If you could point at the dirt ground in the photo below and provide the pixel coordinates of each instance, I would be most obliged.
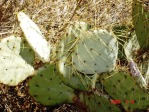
(53, 17)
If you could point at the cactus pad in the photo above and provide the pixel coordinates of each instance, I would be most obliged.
(95, 52)
(14, 69)
(97, 103)
(122, 86)
(34, 37)
(140, 17)
(48, 89)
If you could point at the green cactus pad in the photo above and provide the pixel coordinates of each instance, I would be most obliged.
(96, 52)
(48, 89)
(140, 17)
(13, 69)
(122, 86)
(97, 103)
(27, 53)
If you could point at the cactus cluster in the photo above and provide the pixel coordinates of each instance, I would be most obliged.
(48, 89)
(83, 54)
(86, 72)
(118, 85)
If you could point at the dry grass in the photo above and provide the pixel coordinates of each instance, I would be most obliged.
(53, 17)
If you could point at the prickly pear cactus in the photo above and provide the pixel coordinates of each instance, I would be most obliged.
(95, 52)
(48, 89)
(122, 86)
(27, 53)
(88, 52)
(14, 69)
(140, 17)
